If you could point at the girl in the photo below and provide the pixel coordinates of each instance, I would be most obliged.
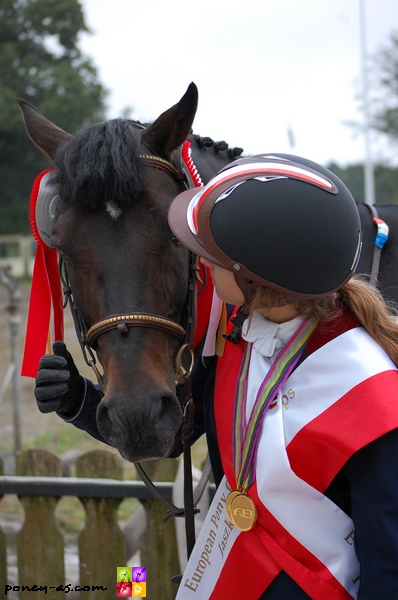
(300, 406)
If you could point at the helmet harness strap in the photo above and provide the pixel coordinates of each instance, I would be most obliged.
(248, 287)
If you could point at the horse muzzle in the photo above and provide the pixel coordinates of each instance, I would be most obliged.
(147, 430)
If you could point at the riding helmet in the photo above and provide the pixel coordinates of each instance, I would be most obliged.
(276, 220)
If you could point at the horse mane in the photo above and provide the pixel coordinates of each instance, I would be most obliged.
(207, 142)
(100, 164)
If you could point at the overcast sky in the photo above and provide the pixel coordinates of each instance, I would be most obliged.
(262, 67)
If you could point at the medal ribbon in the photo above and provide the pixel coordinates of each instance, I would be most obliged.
(247, 434)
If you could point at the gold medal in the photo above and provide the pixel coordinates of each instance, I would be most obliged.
(228, 502)
(243, 511)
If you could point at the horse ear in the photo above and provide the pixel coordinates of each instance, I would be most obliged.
(44, 134)
(172, 128)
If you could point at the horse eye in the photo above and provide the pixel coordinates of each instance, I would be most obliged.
(63, 256)
(176, 242)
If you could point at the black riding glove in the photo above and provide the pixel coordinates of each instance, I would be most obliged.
(58, 383)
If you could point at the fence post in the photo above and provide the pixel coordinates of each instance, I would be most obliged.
(158, 545)
(40, 543)
(102, 545)
(3, 549)
(14, 322)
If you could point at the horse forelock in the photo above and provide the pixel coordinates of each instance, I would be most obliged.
(100, 165)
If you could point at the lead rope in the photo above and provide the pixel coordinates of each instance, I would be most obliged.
(185, 393)
(188, 407)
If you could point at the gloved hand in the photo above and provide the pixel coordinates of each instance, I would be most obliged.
(58, 383)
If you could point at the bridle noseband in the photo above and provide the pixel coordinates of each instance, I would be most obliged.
(122, 322)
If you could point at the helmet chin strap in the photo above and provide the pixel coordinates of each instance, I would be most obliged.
(248, 288)
(237, 321)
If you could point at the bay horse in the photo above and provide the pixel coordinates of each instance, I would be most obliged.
(116, 182)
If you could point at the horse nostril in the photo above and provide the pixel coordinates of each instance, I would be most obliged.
(169, 415)
(105, 424)
(139, 438)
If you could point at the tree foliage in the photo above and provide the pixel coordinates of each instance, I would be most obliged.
(40, 61)
(386, 181)
(385, 89)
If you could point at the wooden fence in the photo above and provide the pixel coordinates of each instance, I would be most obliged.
(102, 545)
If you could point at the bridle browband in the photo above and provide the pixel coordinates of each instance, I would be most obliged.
(163, 165)
(122, 322)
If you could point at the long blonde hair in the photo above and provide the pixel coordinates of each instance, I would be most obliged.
(365, 302)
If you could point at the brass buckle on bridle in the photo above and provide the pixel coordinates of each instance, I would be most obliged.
(181, 372)
(89, 358)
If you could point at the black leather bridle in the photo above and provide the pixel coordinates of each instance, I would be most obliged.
(183, 366)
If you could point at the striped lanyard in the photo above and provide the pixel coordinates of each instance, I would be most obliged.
(247, 433)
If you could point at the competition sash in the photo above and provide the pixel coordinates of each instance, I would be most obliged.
(298, 529)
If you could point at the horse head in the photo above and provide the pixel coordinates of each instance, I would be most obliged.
(110, 228)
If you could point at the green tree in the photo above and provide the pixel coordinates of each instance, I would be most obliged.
(386, 181)
(384, 87)
(40, 61)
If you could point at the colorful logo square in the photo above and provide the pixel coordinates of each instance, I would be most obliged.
(131, 582)
(124, 589)
(139, 574)
(124, 574)
(139, 589)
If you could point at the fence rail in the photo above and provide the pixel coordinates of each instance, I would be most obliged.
(102, 544)
(80, 486)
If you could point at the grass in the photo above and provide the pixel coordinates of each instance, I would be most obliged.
(71, 516)
(71, 437)
(59, 442)
(69, 513)
(11, 508)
